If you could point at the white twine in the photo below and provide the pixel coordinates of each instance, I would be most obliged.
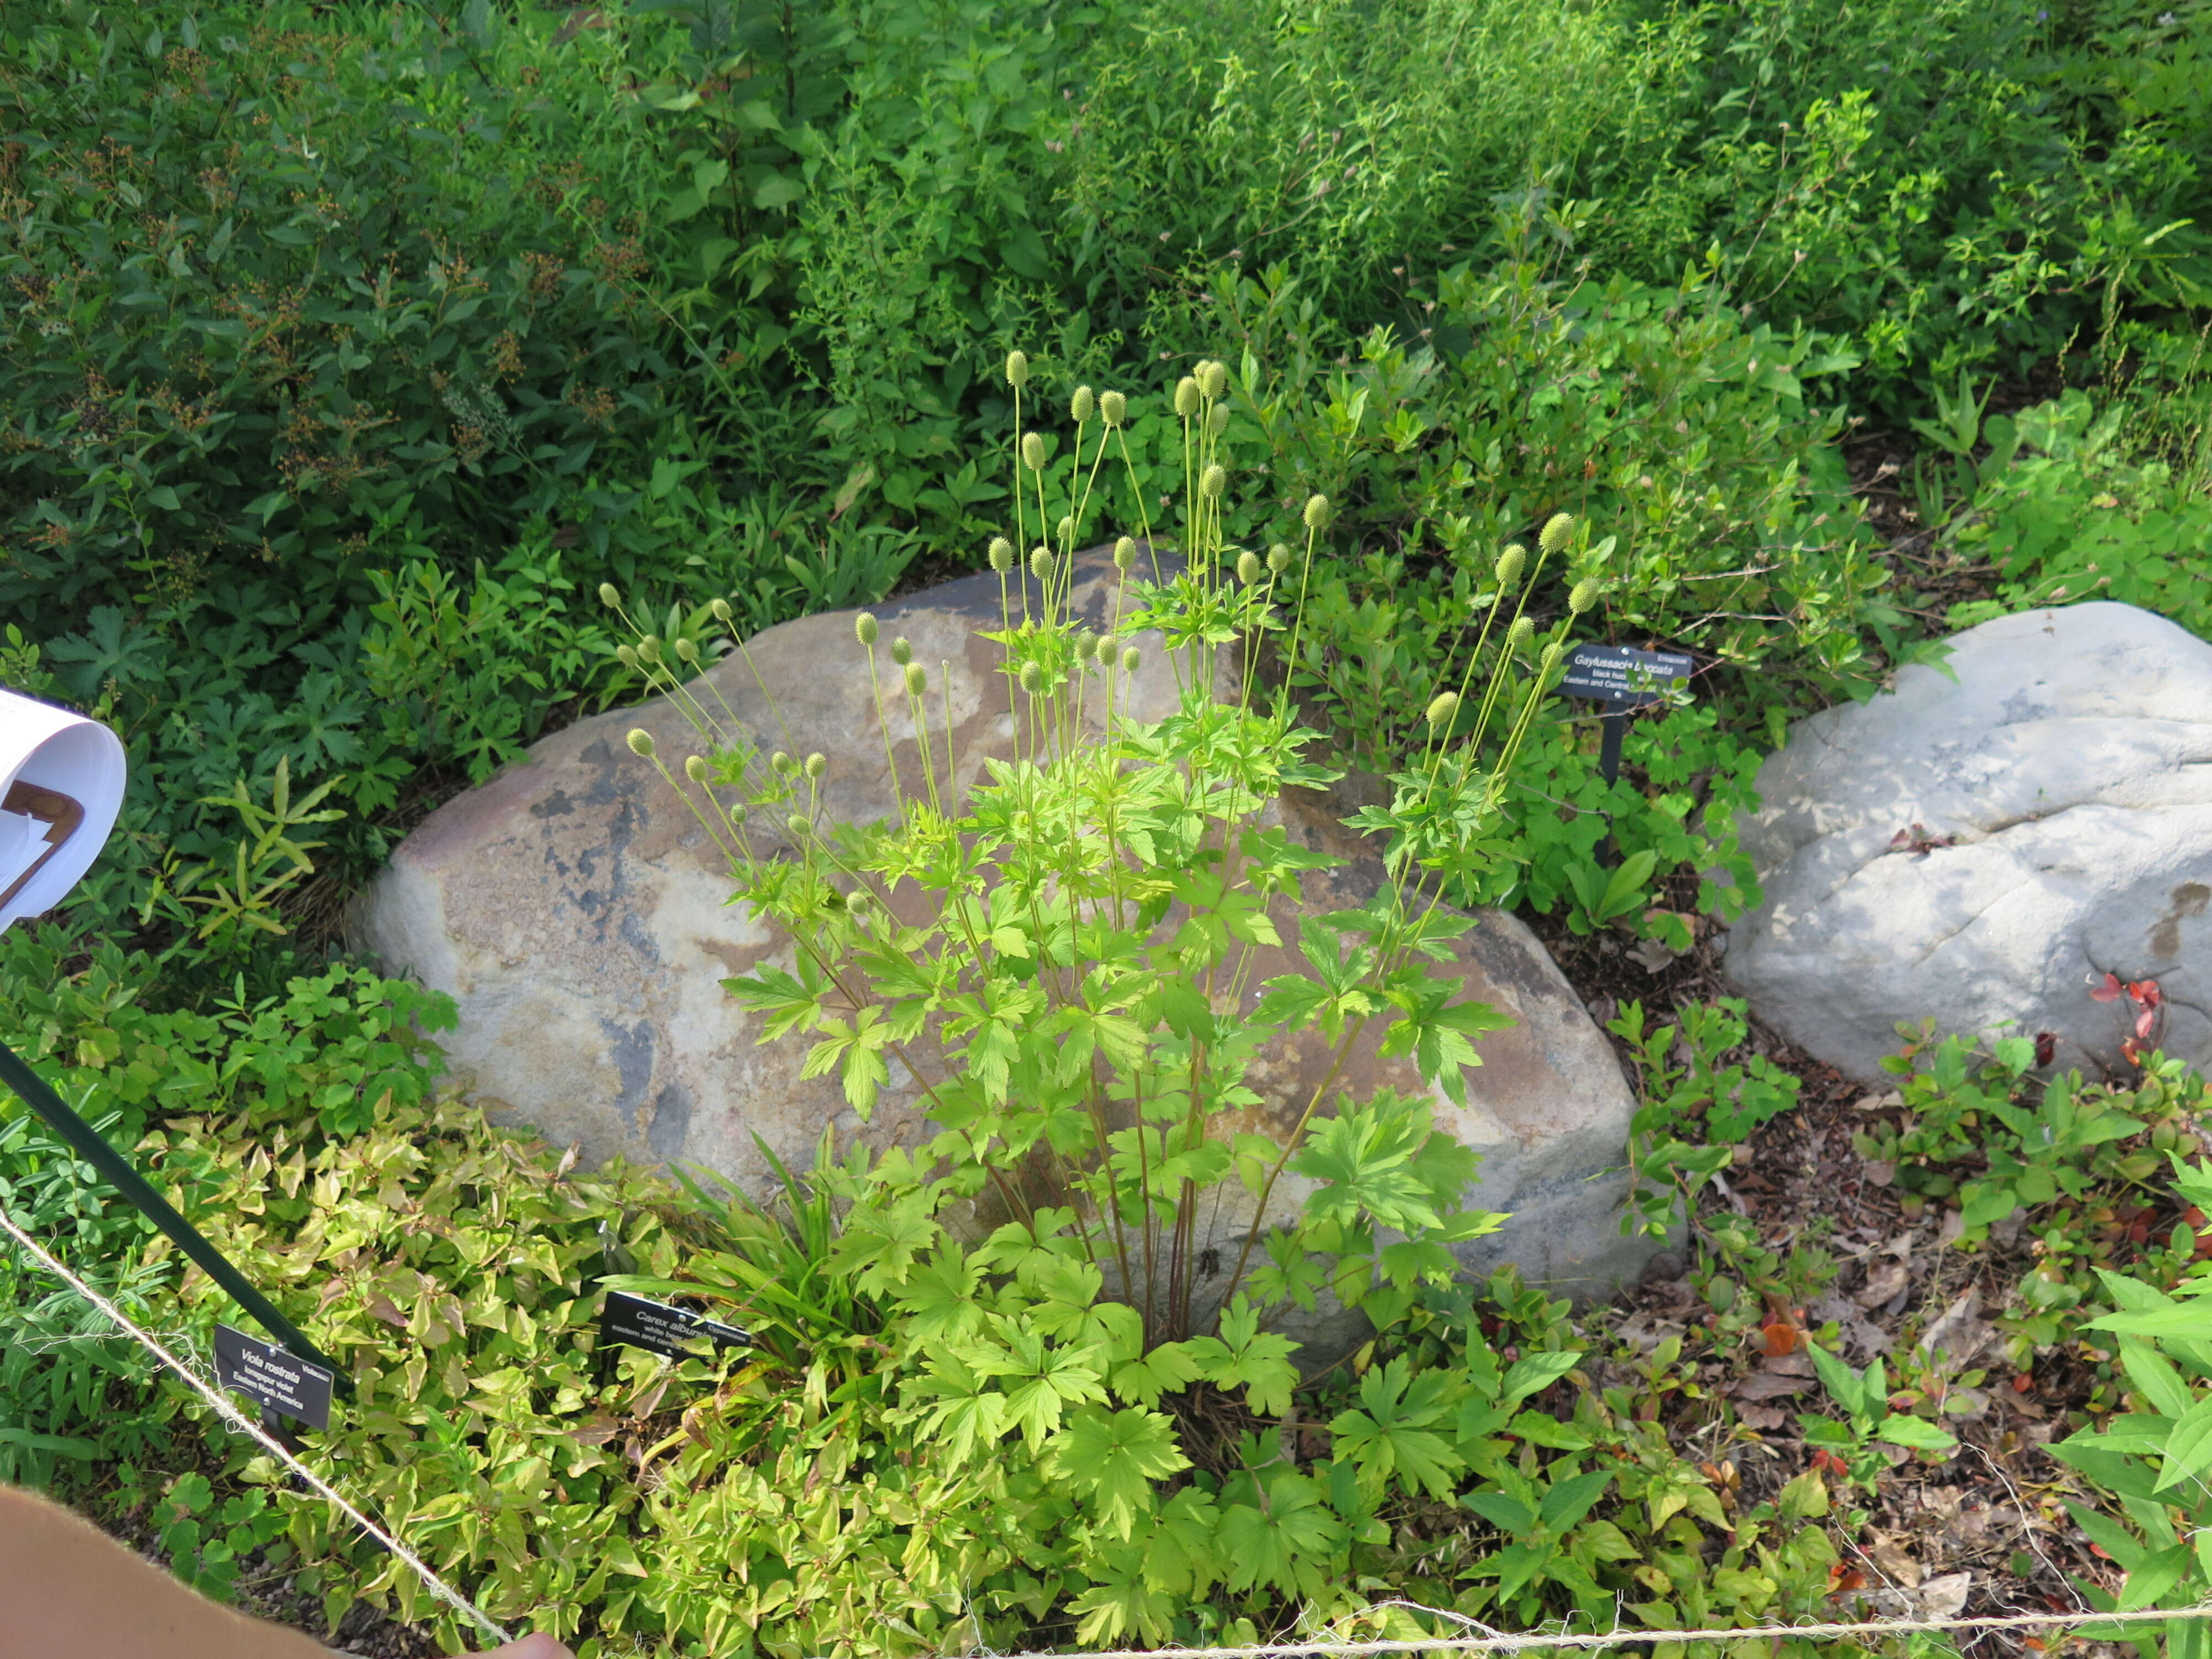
(238, 1419)
(1497, 1643)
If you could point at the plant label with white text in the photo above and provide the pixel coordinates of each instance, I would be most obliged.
(272, 1378)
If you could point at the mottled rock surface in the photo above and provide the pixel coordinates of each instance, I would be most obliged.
(576, 911)
(2062, 788)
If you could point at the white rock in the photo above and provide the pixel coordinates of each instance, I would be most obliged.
(2069, 764)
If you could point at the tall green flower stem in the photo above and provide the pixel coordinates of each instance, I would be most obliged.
(1082, 1004)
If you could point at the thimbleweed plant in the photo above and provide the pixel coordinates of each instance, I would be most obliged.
(1090, 967)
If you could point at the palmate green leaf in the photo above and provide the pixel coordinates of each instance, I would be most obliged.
(1287, 1546)
(969, 1415)
(1364, 1159)
(1042, 1382)
(879, 1242)
(1169, 1368)
(1113, 1458)
(1244, 1357)
(855, 1053)
(1391, 1431)
(1183, 1556)
(1119, 1602)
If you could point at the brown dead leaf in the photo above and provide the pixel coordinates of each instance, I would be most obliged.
(1884, 1279)
(1896, 1561)
(1959, 1333)
(1764, 1384)
(1765, 1419)
(1944, 1597)
(596, 1432)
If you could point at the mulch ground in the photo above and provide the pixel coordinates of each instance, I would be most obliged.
(1984, 1532)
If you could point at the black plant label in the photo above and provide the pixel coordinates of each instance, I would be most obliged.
(664, 1330)
(272, 1378)
(1622, 675)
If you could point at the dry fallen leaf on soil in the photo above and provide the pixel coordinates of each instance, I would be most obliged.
(1883, 1281)
(1944, 1597)
(1896, 1561)
(1959, 1333)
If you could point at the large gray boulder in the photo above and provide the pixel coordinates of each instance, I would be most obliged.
(2061, 781)
(576, 912)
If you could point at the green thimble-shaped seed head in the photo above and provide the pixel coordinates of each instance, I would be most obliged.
(695, 769)
(901, 652)
(817, 764)
(1557, 533)
(1278, 559)
(1441, 708)
(1213, 481)
(1248, 567)
(1582, 595)
(686, 650)
(1518, 636)
(1066, 528)
(1212, 378)
(1033, 451)
(721, 610)
(649, 649)
(1553, 652)
(1084, 644)
(1217, 420)
(1124, 553)
(1106, 650)
(627, 656)
(917, 682)
(1083, 405)
(1002, 554)
(1316, 512)
(1113, 407)
(1186, 397)
(1032, 678)
(857, 899)
(1017, 368)
(608, 597)
(641, 742)
(800, 826)
(1130, 657)
(780, 762)
(865, 628)
(1510, 563)
(738, 814)
(1040, 562)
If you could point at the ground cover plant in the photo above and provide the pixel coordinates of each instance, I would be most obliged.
(351, 349)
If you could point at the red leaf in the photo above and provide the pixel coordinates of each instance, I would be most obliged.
(2145, 1020)
(2145, 994)
(2132, 1052)
(2109, 991)
(1901, 839)
(2023, 1382)
(2046, 1047)
(1781, 1338)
